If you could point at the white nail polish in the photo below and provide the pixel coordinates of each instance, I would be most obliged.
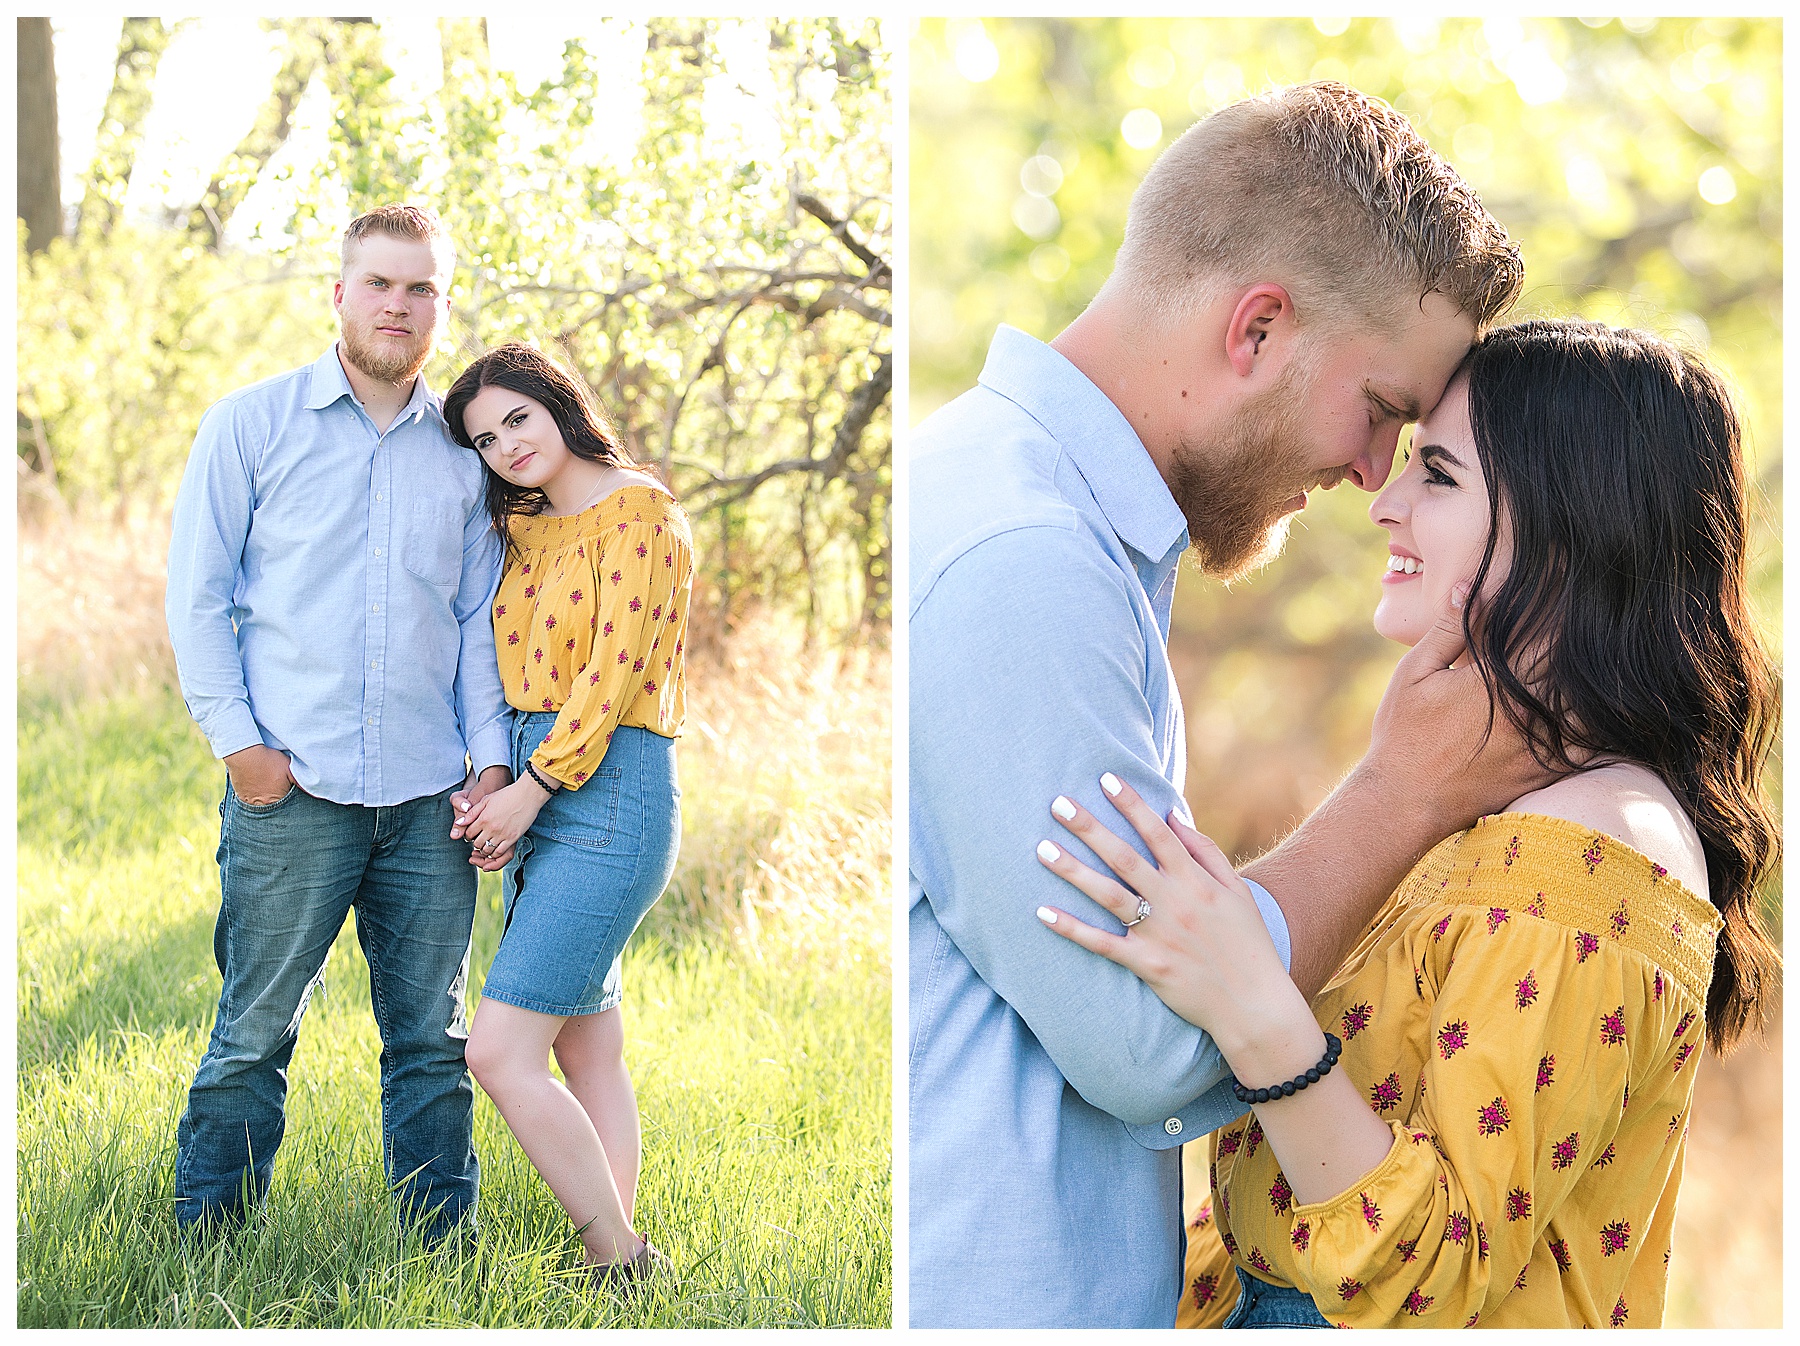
(1062, 808)
(1048, 853)
(1047, 916)
(1110, 783)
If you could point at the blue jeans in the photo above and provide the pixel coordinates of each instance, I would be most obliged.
(289, 873)
(1260, 1304)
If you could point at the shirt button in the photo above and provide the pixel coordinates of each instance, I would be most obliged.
(374, 607)
(378, 551)
(374, 663)
(1173, 1126)
(378, 495)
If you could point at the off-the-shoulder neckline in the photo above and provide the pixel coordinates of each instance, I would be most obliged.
(610, 496)
(1583, 829)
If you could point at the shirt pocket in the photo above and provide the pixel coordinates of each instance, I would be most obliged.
(432, 544)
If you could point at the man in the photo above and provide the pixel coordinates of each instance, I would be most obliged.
(1300, 275)
(330, 571)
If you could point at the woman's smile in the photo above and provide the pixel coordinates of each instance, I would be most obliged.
(1401, 567)
(1436, 513)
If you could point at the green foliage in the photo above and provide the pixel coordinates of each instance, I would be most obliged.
(114, 372)
(1638, 162)
(764, 1088)
(726, 295)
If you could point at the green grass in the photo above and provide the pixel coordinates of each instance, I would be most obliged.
(762, 1070)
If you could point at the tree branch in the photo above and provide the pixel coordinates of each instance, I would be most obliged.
(840, 230)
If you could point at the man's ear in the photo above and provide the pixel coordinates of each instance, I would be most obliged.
(1263, 310)
(337, 294)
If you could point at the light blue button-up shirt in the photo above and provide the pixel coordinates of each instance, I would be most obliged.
(329, 588)
(1049, 1088)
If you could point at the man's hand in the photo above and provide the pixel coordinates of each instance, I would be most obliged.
(1427, 774)
(476, 789)
(1427, 753)
(495, 825)
(260, 775)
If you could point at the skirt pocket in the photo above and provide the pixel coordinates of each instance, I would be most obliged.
(587, 817)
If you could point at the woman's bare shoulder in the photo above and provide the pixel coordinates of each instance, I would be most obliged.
(1632, 803)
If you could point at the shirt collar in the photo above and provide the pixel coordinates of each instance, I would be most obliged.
(1096, 436)
(330, 382)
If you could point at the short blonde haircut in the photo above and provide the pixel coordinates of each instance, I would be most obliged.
(417, 224)
(1321, 188)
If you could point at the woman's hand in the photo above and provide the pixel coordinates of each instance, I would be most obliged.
(1203, 947)
(497, 822)
(476, 789)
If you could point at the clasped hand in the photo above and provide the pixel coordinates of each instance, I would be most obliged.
(493, 823)
(1203, 947)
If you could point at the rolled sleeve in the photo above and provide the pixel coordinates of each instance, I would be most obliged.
(987, 757)
(206, 548)
(1275, 921)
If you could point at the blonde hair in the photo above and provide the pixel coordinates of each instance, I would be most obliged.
(1326, 190)
(417, 224)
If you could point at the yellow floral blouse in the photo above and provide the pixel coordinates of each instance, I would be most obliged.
(589, 622)
(1527, 1011)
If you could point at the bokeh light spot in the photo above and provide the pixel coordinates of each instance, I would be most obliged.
(1036, 216)
(977, 58)
(1049, 263)
(1141, 128)
(1151, 67)
(1041, 175)
(1717, 186)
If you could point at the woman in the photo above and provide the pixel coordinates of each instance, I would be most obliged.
(1501, 1140)
(589, 620)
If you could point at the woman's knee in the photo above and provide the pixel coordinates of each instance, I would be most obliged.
(591, 1046)
(491, 1061)
(508, 1047)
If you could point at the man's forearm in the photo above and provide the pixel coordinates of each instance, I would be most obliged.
(1332, 873)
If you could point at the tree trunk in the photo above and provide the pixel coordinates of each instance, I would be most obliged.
(141, 45)
(40, 165)
(233, 179)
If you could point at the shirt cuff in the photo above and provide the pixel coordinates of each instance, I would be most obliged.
(1275, 921)
(492, 745)
(231, 728)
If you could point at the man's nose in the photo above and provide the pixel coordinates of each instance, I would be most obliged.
(1371, 467)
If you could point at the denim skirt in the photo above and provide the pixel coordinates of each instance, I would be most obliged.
(1260, 1304)
(593, 862)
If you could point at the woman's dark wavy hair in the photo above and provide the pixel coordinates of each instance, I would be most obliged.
(584, 427)
(1621, 630)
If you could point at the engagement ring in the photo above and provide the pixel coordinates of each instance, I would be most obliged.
(1143, 911)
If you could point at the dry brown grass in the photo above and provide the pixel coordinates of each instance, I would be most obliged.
(91, 605)
(787, 833)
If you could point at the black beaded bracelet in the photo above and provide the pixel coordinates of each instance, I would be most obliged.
(1333, 1049)
(543, 784)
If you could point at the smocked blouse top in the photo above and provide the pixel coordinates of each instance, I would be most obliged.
(1526, 1012)
(590, 620)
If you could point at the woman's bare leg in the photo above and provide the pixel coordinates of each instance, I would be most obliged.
(591, 1051)
(509, 1054)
